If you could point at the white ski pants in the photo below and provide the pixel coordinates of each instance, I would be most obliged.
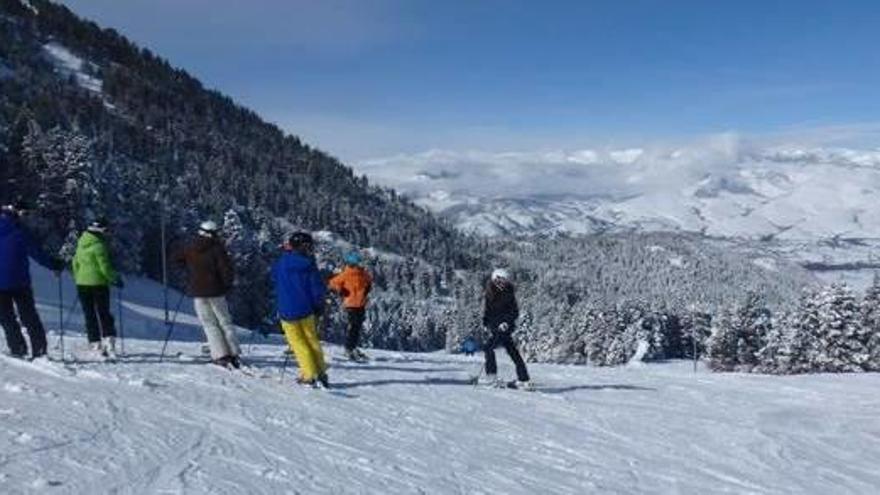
(213, 312)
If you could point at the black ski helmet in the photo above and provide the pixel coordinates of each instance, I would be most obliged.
(302, 242)
(17, 207)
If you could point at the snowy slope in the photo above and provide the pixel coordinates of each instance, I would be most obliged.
(68, 64)
(409, 423)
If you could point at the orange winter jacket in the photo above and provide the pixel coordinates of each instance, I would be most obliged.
(353, 284)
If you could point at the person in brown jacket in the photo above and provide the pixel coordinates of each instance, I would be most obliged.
(210, 278)
(353, 284)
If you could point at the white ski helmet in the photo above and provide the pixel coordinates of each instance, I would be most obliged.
(98, 226)
(499, 274)
(208, 228)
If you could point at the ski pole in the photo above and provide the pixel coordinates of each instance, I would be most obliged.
(121, 321)
(251, 342)
(286, 353)
(61, 316)
(284, 367)
(171, 327)
(479, 374)
(71, 310)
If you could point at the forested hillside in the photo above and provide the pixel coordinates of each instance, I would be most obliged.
(91, 125)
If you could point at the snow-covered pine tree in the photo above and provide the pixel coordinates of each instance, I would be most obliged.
(755, 323)
(625, 334)
(722, 347)
(802, 336)
(739, 335)
(603, 325)
(775, 356)
(842, 344)
(69, 187)
(695, 324)
(870, 321)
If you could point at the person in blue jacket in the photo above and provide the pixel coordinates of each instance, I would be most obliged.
(300, 291)
(16, 246)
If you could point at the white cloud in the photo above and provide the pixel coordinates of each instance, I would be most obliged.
(579, 172)
(626, 157)
(611, 171)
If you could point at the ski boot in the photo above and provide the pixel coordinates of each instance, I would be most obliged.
(96, 350)
(324, 380)
(490, 381)
(40, 359)
(235, 362)
(224, 362)
(306, 383)
(110, 348)
(527, 385)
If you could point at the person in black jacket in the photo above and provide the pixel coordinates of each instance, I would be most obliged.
(210, 278)
(499, 316)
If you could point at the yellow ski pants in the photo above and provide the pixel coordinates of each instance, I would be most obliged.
(302, 336)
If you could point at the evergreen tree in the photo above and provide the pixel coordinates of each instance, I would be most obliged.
(841, 342)
(739, 336)
(722, 348)
(870, 321)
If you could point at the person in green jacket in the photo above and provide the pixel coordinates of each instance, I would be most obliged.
(94, 274)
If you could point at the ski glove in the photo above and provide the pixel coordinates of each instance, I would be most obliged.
(503, 327)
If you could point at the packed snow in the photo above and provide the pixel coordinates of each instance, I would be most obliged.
(411, 423)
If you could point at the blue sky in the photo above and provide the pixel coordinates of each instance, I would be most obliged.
(365, 79)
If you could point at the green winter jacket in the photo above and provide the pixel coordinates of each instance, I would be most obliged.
(91, 263)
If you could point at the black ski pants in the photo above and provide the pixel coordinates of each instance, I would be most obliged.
(95, 302)
(356, 317)
(23, 300)
(504, 339)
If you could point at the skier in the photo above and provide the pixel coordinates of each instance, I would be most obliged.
(94, 274)
(499, 316)
(353, 284)
(16, 246)
(300, 292)
(210, 278)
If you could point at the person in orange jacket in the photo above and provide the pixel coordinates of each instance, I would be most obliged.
(353, 284)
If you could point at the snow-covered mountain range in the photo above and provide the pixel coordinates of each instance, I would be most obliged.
(816, 204)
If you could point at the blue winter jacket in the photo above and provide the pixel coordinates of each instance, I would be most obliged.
(298, 286)
(16, 245)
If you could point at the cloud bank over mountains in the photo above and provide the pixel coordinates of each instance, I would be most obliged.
(595, 171)
(722, 185)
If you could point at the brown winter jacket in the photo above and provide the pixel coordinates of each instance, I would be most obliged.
(500, 306)
(353, 284)
(209, 268)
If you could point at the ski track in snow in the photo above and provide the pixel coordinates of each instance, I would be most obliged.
(410, 423)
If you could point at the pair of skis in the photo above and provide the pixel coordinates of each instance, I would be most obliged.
(500, 384)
